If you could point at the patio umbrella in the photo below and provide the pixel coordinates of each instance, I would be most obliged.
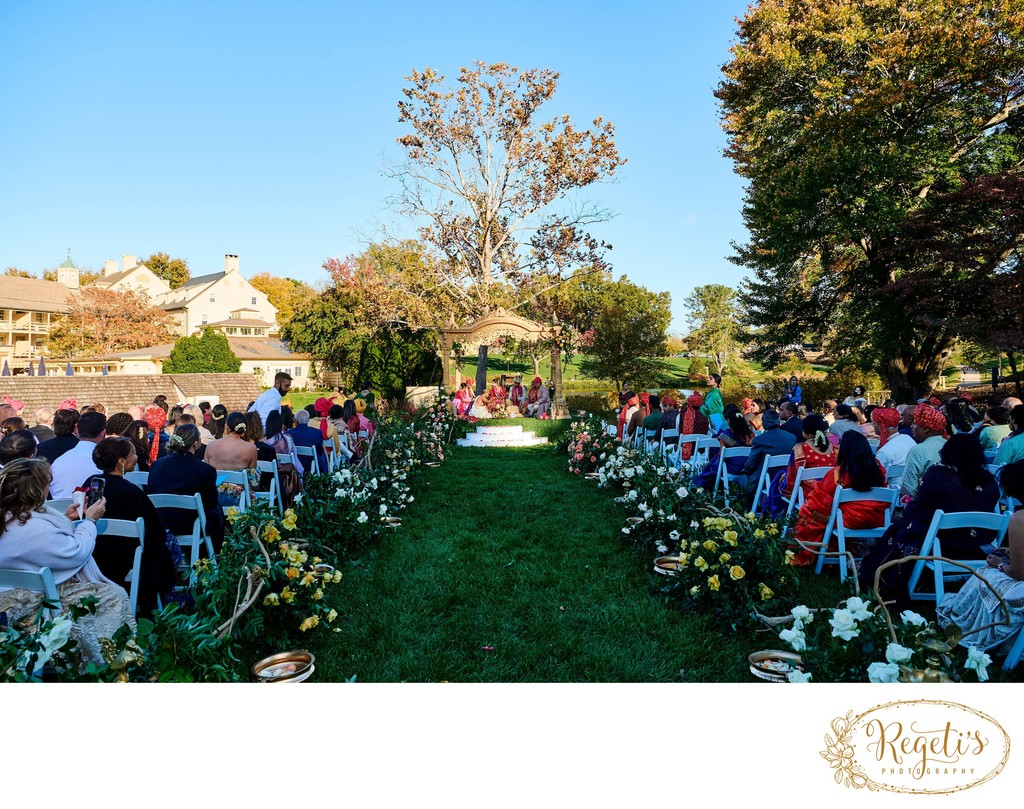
(42, 366)
(31, 371)
(7, 369)
(68, 371)
(105, 373)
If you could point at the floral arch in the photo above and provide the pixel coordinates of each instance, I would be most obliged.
(501, 323)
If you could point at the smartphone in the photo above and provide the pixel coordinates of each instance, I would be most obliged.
(95, 493)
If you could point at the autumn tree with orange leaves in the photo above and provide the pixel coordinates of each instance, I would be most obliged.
(103, 321)
(495, 184)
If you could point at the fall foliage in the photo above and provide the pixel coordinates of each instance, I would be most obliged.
(103, 322)
(174, 271)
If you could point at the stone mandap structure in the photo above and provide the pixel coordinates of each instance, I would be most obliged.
(500, 323)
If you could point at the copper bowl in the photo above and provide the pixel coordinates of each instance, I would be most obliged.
(634, 520)
(773, 665)
(295, 666)
(666, 565)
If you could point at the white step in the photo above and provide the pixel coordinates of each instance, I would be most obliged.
(503, 436)
(500, 429)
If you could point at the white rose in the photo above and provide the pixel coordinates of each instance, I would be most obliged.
(978, 660)
(674, 536)
(694, 524)
(362, 517)
(912, 618)
(633, 495)
(883, 673)
(895, 653)
(802, 614)
(858, 608)
(682, 492)
(663, 549)
(799, 677)
(625, 530)
(383, 509)
(795, 638)
(654, 492)
(844, 625)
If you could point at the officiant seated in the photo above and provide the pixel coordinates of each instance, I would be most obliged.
(538, 400)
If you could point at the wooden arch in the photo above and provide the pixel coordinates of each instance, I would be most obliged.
(501, 323)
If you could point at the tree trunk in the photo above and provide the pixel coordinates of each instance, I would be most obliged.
(481, 369)
(1013, 370)
(912, 377)
(536, 366)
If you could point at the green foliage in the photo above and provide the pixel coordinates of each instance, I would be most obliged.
(713, 317)
(881, 144)
(209, 354)
(327, 327)
(174, 271)
(631, 328)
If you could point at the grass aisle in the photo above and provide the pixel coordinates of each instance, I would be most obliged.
(504, 549)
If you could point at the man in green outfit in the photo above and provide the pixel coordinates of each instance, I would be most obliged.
(653, 421)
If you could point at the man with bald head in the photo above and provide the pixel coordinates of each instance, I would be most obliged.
(1011, 402)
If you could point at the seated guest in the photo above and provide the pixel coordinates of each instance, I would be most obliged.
(638, 415)
(34, 536)
(960, 481)
(19, 444)
(653, 421)
(64, 423)
(930, 433)
(791, 423)
(205, 412)
(305, 436)
(845, 420)
(736, 434)
(282, 444)
(626, 413)
(322, 422)
(138, 434)
(865, 426)
(180, 472)
(155, 416)
(118, 423)
(828, 411)
(254, 433)
(669, 419)
(857, 469)
(72, 468)
(814, 452)
(858, 399)
(8, 426)
(463, 399)
(692, 422)
(1011, 449)
(773, 441)
(197, 419)
(958, 414)
(974, 608)
(234, 451)
(336, 417)
(996, 427)
(42, 429)
(126, 501)
(893, 446)
(218, 419)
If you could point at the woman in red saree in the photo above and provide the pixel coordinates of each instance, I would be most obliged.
(497, 395)
(815, 452)
(626, 411)
(463, 399)
(856, 468)
(692, 422)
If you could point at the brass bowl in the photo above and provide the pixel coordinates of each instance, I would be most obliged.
(773, 665)
(666, 565)
(634, 520)
(592, 476)
(323, 567)
(295, 666)
(431, 463)
(393, 522)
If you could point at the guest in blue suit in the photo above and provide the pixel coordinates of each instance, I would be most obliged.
(773, 441)
(305, 436)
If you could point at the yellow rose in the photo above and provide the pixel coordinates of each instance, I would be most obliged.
(287, 595)
(700, 564)
(232, 514)
(271, 600)
(336, 577)
(730, 538)
(694, 590)
(711, 545)
(271, 534)
(724, 558)
(759, 534)
(773, 529)
(713, 582)
(289, 522)
(736, 573)
(309, 623)
(332, 615)
(684, 560)
(318, 594)
(308, 578)
(790, 556)
(765, 591)
(295, 557)
(292, 573)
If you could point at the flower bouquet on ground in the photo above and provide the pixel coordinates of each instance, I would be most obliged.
(588, 445)
(858, 642)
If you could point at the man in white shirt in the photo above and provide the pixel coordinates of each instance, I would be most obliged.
(76, 466)
(895, 445)
(270, 400)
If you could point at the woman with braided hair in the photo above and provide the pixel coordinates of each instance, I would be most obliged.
(815, 452)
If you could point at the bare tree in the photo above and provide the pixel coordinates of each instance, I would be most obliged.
(496, 186)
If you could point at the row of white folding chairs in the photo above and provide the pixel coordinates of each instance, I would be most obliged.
(239, 477)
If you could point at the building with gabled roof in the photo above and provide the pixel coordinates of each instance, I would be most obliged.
(131, 276)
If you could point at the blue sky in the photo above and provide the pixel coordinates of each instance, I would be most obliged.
(260, 128)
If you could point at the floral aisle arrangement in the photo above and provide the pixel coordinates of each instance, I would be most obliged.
(858, 642)
(588, 444)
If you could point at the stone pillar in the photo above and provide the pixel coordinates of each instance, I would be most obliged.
(558, 408)
(446, 363)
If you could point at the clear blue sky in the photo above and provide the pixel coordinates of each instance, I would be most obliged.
(259, 128)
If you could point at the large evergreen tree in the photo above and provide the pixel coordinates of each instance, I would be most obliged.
(860, 127)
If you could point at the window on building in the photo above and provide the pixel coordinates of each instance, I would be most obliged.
(246, 331)
(298, 370)
(204, 320)
(254, 301)
(213, 298)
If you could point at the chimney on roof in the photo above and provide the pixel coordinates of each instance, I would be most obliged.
(128, 263)
(109, 267)
(230, 263)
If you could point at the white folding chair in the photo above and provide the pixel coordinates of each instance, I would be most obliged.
(894, 476)
(199, 537)
(61, 505)
(932, 546)
(333, 457)
(38, 581)
(878, 494)
(771, 463)
(700, 453)
(722, 479)
(666, 449)
(309, 452)
(1014, 655)
(140, 479)
(238, 477)
(873, 443)
(127, 529)
(651, 441)
(273, 495)
(803, 474)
